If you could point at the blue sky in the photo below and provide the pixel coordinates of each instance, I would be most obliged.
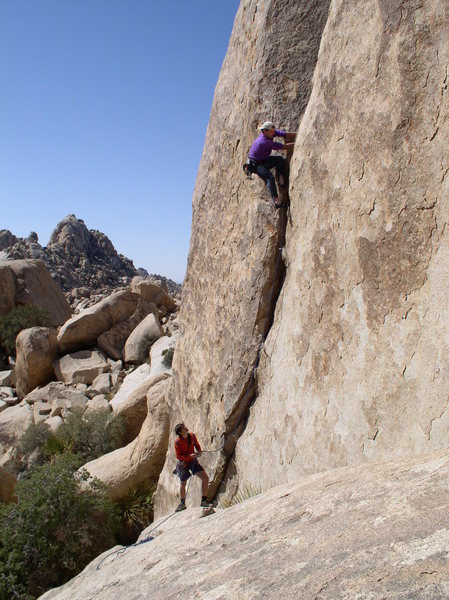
(104, 106)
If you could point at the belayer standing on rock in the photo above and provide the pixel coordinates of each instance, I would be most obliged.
(261, 162)
(188, 450)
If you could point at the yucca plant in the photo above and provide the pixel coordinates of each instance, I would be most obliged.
(136, 512)
(242, 494)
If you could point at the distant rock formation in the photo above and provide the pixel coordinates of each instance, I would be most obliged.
(78, 257)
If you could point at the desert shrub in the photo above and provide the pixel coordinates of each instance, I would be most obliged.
(54, 530)
(168, 357)
(33, 443)
(86, 436)
(91, 434)
(20, 317)
(135, 512)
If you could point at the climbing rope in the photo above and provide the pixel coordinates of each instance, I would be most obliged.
(149, 537)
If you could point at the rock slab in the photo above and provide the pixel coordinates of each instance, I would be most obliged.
(369, 532)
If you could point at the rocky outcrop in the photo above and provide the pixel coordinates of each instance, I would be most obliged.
(356, 532)
(8, 289)
(113, 341)
(133, 409)
(7, 378)
(152, 291)
(75, 255)
(138, 344)
(78, 258)
(85, 328)
(81, 367)
(36, 349)
(13, 423)
(29, 282)
(131, 382)
(234, 268)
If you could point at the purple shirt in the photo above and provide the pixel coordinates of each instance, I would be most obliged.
(262, 147)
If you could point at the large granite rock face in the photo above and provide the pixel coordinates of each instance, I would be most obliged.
(29, 282)
(350, 534)
(356, 365)
(233, 259)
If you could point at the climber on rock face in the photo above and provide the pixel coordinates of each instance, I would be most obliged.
(261, 162)
(188, 450)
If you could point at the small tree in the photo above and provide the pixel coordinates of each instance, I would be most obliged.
(32, 446)
(54, 530)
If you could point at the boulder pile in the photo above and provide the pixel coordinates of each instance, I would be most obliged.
(108, 356)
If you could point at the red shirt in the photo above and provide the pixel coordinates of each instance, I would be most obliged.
(183, 448)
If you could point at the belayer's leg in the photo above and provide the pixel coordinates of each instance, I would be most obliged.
(182, 493)
(182, 490)
(204, 485)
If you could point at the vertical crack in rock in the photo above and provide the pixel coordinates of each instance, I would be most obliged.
(237, 420)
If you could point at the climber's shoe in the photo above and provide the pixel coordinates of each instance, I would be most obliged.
(206, 503)
(181, 506)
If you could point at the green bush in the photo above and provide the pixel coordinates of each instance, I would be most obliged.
(20, 317)
(92, 434)
(54, 530)
(168, 357)
(32, 446)
(87, 436)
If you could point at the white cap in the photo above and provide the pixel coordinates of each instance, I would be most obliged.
(267, 125)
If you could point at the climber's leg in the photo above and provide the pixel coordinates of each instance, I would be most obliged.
(267, 176)
(281, 166)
